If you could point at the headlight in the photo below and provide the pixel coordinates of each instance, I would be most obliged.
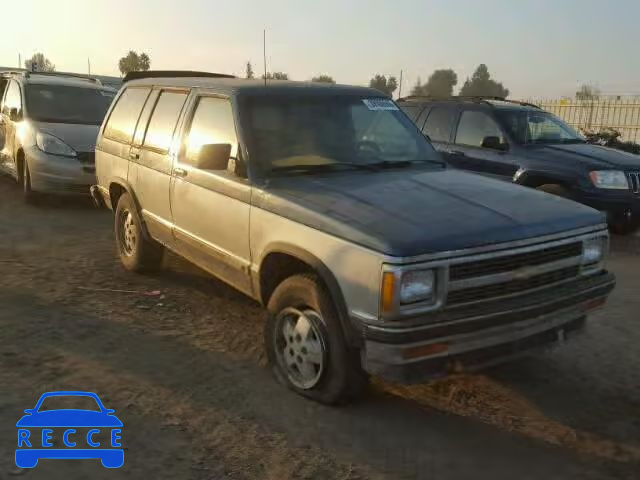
(593, 250)
(613, 179)
(417, 286)
(50, 144)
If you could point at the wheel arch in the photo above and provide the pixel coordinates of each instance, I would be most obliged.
(534, 179)
(117, 187)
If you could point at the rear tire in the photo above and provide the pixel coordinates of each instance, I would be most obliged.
(555, 189)
(137, 253)
(305, 345)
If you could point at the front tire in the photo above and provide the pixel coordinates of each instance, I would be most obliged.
(28, 194)
(137, 253)
(305, 345)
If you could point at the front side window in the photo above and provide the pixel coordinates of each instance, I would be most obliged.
(287, 132)
(124, 116)
(212, 123)
(164, 120)
(475, 127)
(13, 99)
(440, 124)
(67, 104)
(531, 127)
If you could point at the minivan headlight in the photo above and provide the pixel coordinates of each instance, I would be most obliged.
(51, 144)
(612, 179)
(593, 250)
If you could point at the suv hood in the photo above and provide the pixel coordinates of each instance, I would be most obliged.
(80, 137)
(411, 212)
(594, 156)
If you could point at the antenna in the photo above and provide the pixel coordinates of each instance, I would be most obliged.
(89, 65)
(19, 61)
(264, 53)
(400, 86)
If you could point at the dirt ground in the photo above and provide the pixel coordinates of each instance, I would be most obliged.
(179, 357)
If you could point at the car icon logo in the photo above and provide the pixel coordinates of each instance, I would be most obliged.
(84, 433)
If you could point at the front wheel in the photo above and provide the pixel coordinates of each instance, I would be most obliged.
(305, 344)
(137, 253)
(25, 179)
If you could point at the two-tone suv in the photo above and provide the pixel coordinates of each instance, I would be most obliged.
(48, 128)
(327, 205)
(521, 143)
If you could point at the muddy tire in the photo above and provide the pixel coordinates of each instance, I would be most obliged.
(24, 179)
(137, 252)
(305, 344)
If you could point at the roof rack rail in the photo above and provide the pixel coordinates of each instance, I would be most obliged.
(473, 98)
(79, 76)
(172, 73)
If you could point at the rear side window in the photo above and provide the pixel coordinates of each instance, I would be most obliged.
(212, 123)
(412, 111)
(13, 98)
(163, 120)
(123, 118)
(475, 126)
(439, 124)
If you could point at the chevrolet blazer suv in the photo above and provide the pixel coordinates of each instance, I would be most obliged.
(326, 204)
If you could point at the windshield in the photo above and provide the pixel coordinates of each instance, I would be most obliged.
(66, 402)
(67, 104)
(537, 127)
(302, 133)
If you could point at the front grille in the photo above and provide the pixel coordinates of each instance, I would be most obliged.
(513, 262)
(486, 292)
(634, 182)
(87, 158)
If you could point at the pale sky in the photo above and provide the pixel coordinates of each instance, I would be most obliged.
(535, 47)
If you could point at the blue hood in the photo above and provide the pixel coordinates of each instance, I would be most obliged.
(593, 156)
(69, 418)
(414, 211)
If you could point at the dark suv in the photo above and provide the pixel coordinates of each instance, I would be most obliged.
(522, 143)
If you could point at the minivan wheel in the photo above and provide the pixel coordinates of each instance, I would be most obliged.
(136, 252)
(305, 344)
(27, 192)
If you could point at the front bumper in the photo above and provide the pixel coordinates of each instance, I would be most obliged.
(59, 175)
(469, 338)
(615, 203)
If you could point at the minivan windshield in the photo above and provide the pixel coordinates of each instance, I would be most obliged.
(537, 127)
(327, 132)
(67, 104)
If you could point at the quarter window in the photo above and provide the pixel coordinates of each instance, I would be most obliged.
(439, 124)
(163, 120)
(212, 123)
(123, 118)
(13, 99)
(475, 126)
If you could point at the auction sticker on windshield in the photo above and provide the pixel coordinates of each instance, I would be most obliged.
(379, 104)
(53, 430)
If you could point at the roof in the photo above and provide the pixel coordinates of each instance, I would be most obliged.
(496, 102)
(235, 86)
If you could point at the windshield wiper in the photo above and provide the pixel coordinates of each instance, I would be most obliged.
(324, 167)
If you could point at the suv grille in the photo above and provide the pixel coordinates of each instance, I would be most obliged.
(634, 182)
(512, 262)
(515, 273)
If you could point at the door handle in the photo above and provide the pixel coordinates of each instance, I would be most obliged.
(180, 172)
(134, 155)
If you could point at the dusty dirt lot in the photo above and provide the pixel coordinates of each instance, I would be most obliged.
(184, 371)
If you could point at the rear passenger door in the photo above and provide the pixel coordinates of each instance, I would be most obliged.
(470, 151)
(152, 156)
(211, 207)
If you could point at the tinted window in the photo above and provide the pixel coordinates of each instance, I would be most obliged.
(474, 127)
(212, 123)
(163, 120)
(527, 127)
(13, 98)
(412, 111)
(439, 124)
(123, 118)
(67, 104)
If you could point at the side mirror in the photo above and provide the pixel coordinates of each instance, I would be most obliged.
(29, 411)
(494, 143)
(109, 411)
(14, 116)
(214, 156)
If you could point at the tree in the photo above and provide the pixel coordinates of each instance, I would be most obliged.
(482, 85)
(133, 62)
(587, 92)
(384, 84)
(440, 84)
(39, 63)
(276, 76)
(249, 70)
(323, 79)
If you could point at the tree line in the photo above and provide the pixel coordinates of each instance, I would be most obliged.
(440, 84)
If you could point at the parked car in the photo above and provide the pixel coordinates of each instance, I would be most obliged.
(326, 204)
(521, 143)
(48, 129)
